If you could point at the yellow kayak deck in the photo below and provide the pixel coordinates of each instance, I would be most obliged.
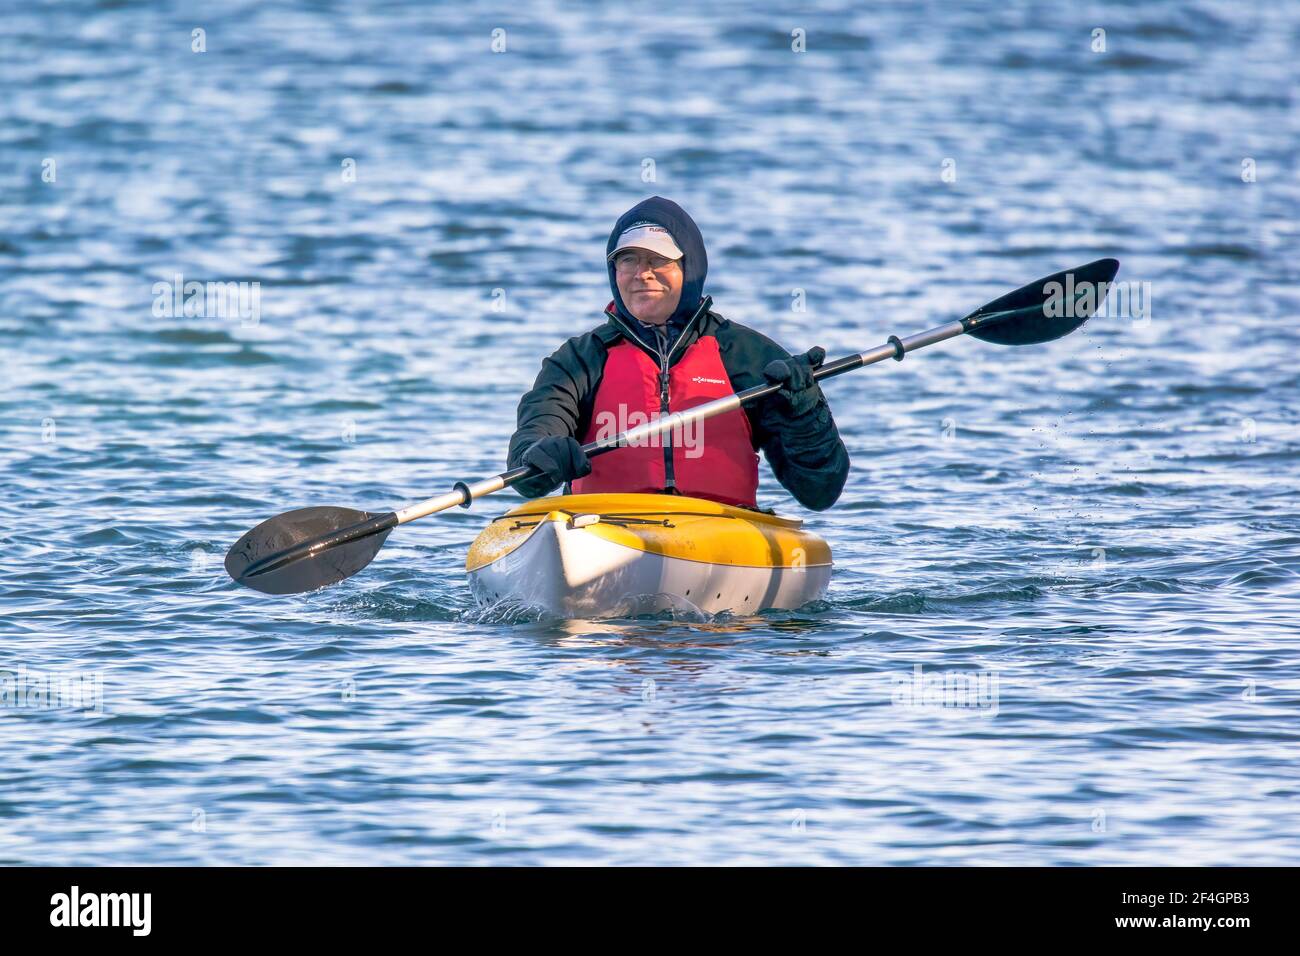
(691, 529)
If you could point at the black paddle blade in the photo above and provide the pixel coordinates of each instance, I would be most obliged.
(1046, 309)
(307, 549)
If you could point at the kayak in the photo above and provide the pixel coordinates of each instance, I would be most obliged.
(613, 555)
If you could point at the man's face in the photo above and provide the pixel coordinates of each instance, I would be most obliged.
(649, 284)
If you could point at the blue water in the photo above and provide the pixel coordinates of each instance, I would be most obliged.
(1102, 530)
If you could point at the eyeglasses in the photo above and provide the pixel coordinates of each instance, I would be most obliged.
(631, 262)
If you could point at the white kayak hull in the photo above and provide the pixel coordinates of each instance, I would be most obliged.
(572, 564)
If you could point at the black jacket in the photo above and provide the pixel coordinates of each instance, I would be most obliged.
(806, 454)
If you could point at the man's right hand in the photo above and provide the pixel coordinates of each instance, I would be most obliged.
(559, 458)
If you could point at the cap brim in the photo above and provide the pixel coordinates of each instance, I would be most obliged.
(658, 243)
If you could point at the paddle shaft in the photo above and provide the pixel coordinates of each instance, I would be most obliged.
(463, 494)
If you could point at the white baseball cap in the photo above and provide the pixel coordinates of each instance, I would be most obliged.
(647, 235)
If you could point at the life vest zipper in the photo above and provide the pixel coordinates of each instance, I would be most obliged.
(665, 363)
(670, 478)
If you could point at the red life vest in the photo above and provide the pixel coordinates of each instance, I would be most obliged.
(713, 459)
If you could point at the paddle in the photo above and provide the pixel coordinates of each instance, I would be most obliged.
(310, 548)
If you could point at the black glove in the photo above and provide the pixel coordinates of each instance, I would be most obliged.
(559, 458)
(799, 392)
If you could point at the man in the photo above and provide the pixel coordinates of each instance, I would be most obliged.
(661, 349)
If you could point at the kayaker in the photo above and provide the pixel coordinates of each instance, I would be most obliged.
(661, 348)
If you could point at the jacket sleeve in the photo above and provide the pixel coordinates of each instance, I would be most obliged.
(558, 404)
(806, 453)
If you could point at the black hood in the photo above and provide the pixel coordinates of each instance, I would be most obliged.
(695, 263)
